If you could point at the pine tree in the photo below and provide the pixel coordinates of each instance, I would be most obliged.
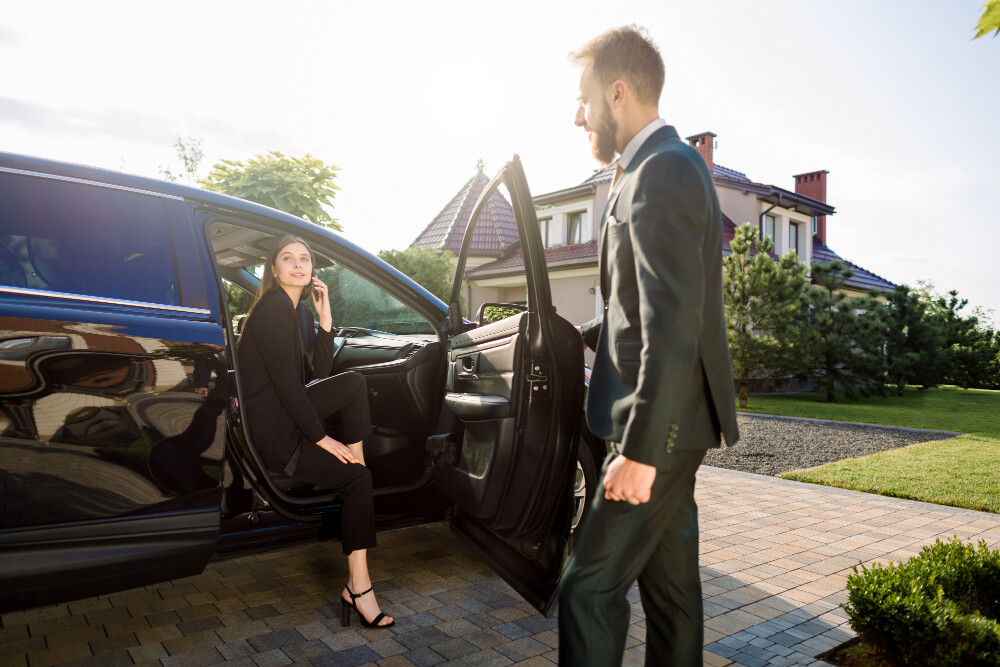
(840, 337)
(761, 295)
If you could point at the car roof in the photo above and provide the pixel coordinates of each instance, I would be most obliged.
(26, 163)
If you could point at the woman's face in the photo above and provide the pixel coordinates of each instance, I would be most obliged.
(293, 266)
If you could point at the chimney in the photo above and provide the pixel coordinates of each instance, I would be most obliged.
(705, 143)
(813, 185)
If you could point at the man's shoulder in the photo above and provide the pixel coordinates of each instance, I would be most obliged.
(671, 148)
(671, 156)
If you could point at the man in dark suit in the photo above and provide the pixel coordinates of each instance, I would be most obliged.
(662, 388)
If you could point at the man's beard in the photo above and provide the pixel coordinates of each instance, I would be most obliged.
(602, 139)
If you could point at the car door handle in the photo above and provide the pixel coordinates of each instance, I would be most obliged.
(467, 365)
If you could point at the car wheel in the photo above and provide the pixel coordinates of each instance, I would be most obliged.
(584, 484)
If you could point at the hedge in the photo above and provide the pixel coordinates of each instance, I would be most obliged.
(939, 608)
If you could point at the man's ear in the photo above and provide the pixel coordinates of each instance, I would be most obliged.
(617, 92)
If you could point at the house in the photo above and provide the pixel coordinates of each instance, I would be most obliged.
(569, 220)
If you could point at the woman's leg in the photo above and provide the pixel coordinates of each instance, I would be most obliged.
(359, 580)
(354, 484)
(342, 402)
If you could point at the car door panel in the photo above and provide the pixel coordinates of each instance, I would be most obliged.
(105, 440)
(514, 391)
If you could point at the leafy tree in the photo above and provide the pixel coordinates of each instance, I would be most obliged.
(239, 301)
(990, 20)
(190, 153)
(761, 297)
(915, 351)
(840, 338)
(302, 186)
(431, 269)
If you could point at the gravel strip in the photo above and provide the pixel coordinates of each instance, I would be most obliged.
(771, 446)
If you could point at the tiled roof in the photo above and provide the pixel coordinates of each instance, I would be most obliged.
(602, 175)
(862, 279)
(555, 256)
(495, 230)
(725, 172)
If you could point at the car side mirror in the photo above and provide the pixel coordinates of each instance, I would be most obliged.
(494, 312)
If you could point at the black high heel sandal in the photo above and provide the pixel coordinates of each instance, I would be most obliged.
(345, 611)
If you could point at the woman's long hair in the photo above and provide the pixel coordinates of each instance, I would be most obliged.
(268, 282)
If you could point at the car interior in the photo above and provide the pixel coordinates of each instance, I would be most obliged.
(453, 410)
(394, 347)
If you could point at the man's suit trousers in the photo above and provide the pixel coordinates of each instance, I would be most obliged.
(654, 542)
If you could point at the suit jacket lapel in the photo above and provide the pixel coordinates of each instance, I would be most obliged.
(602, 246)
(664, 133)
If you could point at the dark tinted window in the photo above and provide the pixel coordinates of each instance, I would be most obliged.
(83, 239)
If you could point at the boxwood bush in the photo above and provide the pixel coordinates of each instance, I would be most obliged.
(939, 608)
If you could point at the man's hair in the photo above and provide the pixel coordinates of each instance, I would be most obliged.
(625, 53)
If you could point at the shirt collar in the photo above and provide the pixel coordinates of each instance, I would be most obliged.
(638, 140)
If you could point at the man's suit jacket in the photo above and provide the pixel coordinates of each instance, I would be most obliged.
(662, 379)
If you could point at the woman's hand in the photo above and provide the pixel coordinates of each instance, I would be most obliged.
(321, 299)
(338, 449)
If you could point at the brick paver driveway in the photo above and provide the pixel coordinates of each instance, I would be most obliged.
(775, 557)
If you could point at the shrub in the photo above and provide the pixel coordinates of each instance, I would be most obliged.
(939, 608)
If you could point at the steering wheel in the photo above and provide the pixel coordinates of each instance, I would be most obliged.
(336, 349)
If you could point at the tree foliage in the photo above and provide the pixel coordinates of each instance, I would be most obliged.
(429, 268)
(990, 20)
(761, 297)
(301, 186)
(839, 341)
(971, 347)
(915, 350)
(190, 154)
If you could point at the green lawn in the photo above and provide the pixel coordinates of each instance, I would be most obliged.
(962, 471)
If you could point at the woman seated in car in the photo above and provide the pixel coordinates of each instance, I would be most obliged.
(300, 431)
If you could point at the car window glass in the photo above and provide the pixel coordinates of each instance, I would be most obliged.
(358, 303)
(82, 239)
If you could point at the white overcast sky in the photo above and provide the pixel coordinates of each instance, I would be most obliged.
(892, 97)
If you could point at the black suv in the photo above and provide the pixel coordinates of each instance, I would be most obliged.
(124, 454)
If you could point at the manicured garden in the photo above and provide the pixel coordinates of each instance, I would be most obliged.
(960, 471)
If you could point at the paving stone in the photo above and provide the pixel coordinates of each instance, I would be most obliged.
(387, 647)
(421, 637)
(425, 656)
(351, 657)
(271, 658)
(454, 649)
(521, 649)
(260, 612)
(204, 655)
(276, 639)
(488, 658)
(114, 643)
(197, 625)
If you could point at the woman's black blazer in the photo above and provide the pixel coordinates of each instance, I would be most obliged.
(274, 367)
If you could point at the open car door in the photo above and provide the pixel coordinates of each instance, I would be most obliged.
(514, 393)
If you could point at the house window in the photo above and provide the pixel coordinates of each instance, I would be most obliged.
(543, 226)
(815, 226)
(574, 226)
(793, 237)
(769, 227)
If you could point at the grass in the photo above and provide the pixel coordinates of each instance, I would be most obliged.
(960, 471)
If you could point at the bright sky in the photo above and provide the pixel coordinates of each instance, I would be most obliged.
(891, 97)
